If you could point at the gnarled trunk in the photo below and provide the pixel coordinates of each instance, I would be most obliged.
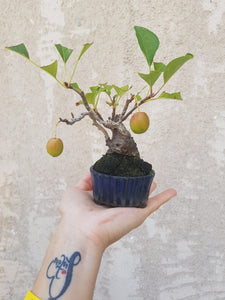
(122, 142)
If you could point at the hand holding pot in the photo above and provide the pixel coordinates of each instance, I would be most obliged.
(72, 261)
(103, 225)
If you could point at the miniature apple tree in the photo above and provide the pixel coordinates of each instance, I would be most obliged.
(117, 137)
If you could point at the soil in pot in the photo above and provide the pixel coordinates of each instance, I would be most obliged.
(116, 164)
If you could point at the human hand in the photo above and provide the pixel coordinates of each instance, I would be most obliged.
(85, 231)
(102, 225)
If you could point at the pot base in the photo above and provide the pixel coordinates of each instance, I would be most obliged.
(141, 205)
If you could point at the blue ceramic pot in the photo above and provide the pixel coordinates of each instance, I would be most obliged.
(115, 191)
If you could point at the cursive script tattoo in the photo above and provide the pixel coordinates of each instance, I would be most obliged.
(60, 272)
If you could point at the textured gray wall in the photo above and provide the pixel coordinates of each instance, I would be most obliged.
(178, 253)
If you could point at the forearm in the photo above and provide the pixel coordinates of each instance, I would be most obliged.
(70, 267)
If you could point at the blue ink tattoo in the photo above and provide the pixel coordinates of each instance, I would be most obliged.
(60, 273)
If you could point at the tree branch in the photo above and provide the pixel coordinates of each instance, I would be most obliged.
(113, 107)
(92, 114)
(74, 120)
(95, 116)
(81, 94)
(126, 106)
(135, 107)
(99, 115)
(102, 129)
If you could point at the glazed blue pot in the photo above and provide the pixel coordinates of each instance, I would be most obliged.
(116, 191)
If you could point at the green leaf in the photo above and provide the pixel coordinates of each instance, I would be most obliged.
(148, 42)
(138, 97)
(80, 102)
(120, 91)
(64, 52)
(175, 65)
(159, 67)
(91, 98)
(51, 69)
(95, 89)
(151, 77)
(75, 86)
(107, 88)
(109, 103)
(175, 96)
(84, 49)
(20, 49)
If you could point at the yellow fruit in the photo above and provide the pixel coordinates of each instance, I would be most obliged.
(139, 122)
(54, 146)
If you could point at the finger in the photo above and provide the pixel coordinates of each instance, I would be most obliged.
(153, 187)
(85, 184)
(155, 202)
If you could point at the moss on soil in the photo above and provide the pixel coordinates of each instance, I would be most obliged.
(116, 164)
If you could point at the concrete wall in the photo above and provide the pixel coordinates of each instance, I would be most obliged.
(178, 253)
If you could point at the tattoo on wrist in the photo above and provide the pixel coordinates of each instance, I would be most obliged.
(60, 272)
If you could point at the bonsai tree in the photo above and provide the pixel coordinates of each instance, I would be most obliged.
(121, 101)
(120, 140)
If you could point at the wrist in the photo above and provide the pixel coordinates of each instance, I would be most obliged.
(69, 247)
(74, 231)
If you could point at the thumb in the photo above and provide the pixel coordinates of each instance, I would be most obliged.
(85, 184)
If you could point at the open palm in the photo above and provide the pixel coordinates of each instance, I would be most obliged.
(102, 225)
